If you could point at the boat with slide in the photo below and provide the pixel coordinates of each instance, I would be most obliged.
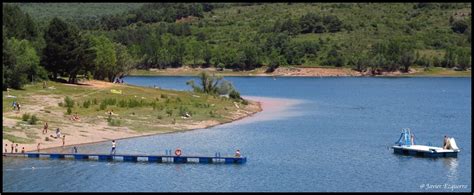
(406, 146)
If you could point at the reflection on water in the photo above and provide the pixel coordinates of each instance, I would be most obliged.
(452, 165)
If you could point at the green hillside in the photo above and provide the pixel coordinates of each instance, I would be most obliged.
(377, 37)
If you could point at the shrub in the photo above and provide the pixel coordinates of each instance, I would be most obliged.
(69, 111)
(115, 122)
(103, 106)
(183, 110)
(25, 117)
(60, 104)
(164, 96)
(159, 117)
(212, 114)
(68, 102)
(235, 95)
(110, 101)
(94, 101)
(86, 104)
(169, 112)
(122, 103)
(89, 75)
(33, 120)
(133, 103)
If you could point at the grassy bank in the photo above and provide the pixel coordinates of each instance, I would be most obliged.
(135, 111)
(441, 72)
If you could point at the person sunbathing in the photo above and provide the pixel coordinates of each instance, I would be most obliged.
(75, 117)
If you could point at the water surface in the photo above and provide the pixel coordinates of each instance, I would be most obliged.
(315, 134)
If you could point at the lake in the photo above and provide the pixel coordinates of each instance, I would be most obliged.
(314, 134)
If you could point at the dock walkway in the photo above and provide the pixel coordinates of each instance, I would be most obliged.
(133, 157)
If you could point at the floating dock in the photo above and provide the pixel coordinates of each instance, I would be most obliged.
(134, 158)
(424, 151)
(406, 146)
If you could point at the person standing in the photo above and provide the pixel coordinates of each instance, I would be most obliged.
(445, 142)
(16, 148)
(18, 106)
(64, 140)
(113, 147)
(23, 150)
(237, 153)
(58, 133)
(12, 147)
(6, 148)
(45, 128)
(38, 147)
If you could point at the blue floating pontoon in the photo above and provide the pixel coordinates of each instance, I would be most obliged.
(406, 146)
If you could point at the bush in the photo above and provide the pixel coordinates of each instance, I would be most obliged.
(122, 103)
(33, 120)
(94, 101)
(183, 110)
(86, 104)
(25, 117)
(89, 75)
(159, 117)
(169, 112)
(212, 114)
(110, 101)
(115, 122)
(68, 102)
(103, 105)
(235, 95)
(69, 111)
(459, 26)
(164, 96)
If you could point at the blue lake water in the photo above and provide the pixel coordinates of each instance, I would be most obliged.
(319, 134)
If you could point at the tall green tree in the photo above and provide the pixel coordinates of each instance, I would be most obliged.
(21, 64)
(60, 56)
(407, 59)
(18, 24)
(105, 62)
(125, 62)
(195, 49)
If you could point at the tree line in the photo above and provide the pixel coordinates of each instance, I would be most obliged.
(109, 46)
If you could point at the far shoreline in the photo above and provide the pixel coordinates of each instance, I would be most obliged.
(329, 72)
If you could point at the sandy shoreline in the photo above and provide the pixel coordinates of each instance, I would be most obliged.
(209, 125)
(120, 133)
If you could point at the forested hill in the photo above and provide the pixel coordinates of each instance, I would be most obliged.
(243, 36)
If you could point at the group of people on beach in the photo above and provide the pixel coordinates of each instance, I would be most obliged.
(58, 133)
(14, 148)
